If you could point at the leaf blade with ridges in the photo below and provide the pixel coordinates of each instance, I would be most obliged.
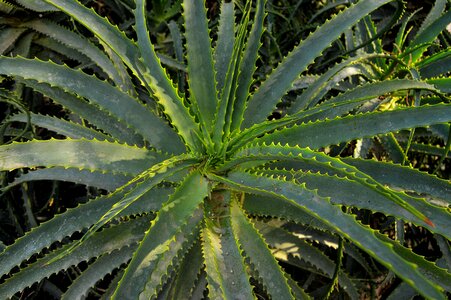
(188, 273)
(96, 271)
(122, 105)
(261, 153)
(74, 220)
(174, 214)
(94, 114)
(201, 76)
(101, 28)
(75, 41)
(299, 249)
(107, 181)
(345, 224)
(248, 66)
(61, 126)
(266, 97)
(105, 241)
(259, 255)
(404, 177)
(224, 46)
(161, 85)
(347, 192)
(224, 263)
(82, 154)
(364, 125)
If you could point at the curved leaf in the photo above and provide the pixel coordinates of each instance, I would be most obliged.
(259, 255)
(107, 181)
(75, 41)
(292, 248)
(104, 265)
(165, 229)
(201, 76)
(105, 241)
(37, 5)
(126, 108)
(343, 223)
(60, 126)
(226, 271)
(329, 132)
(74, 220)
(266, 97)
(352, 193)
(96, 116)
(404, 177)
(161, 85)
(83, 154)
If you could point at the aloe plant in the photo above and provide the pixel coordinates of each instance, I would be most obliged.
(205, 195)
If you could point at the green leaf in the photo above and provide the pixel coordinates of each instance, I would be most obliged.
(106, 241)
(402, 291)
(329, 132)
(260, 257)
(74, 220)
(169, 224)
(225, 105)
(147, 180)
(428, 35)
(290, 248)
(83, 154)
(61, 126)
(8, 36)
(262, 103)
(352, 193)
(404, 177)
(325, 82)
(201, 76)
(107, 181)
(345, 224)
(443, 84)
(226, 271)
(102, 29)
(224, 45)
(96, 271)
(161, 85)
(77, 42)
(248, 65)
(37, 5)
(126, 108)
(188, 273)
(437, 10)
(260, 153)
(435, 65)
(90, 112)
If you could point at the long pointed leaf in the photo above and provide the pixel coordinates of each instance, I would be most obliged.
(96, 116)
(126, 108)
(271, 91)
(259, 255)
(161, 85)
(330, 132)
(61, 126)
(224, 264)
(248, 65)
(224, 47)
(201, 76)
(103, 242)
(345, 224)
(168, 223)
(83, 154)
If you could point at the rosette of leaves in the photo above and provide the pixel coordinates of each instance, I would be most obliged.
(204, 193)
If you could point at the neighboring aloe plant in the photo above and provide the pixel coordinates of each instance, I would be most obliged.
(205, 192)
